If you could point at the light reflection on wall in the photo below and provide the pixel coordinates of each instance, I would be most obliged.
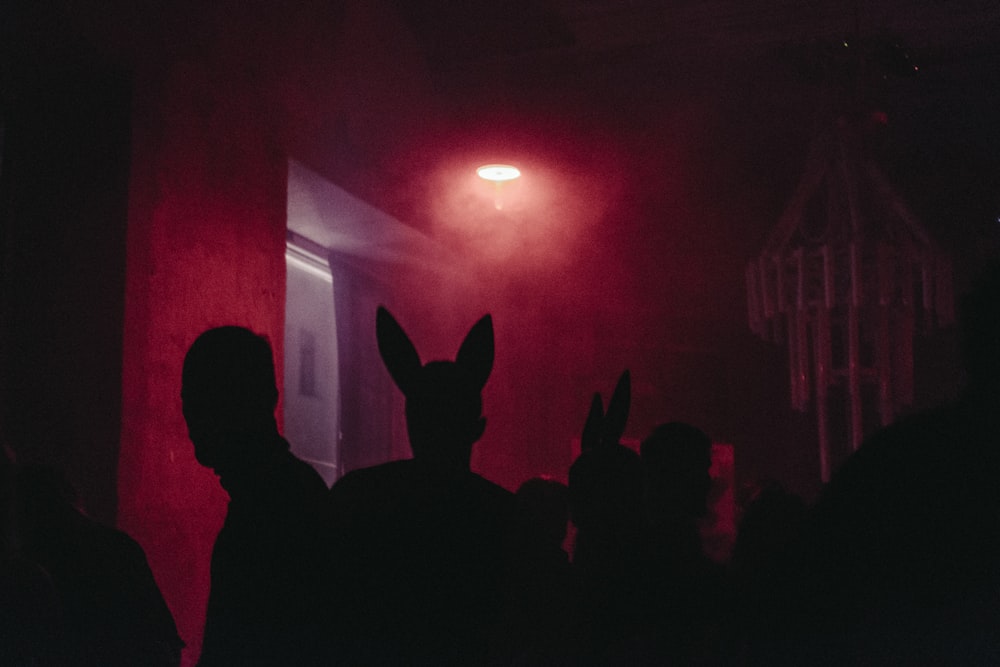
(311, 399)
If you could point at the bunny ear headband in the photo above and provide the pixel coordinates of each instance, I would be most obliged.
(474, 359)
(606, 429)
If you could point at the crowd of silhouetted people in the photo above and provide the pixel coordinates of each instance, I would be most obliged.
(422, 562)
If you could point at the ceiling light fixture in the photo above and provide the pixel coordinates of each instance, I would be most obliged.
(498, 173)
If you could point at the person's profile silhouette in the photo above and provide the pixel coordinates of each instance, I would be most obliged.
(262, 601)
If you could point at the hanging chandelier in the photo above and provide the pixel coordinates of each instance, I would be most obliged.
(845, 280)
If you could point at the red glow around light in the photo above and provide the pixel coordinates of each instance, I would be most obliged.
(533, 223)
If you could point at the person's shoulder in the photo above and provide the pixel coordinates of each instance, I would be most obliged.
(493, 499)
(919, 434)
(376, 480)
(930, 423)
(490, 489)
(105, 537)
(897, 465)
(387, 469)
(383, 472)
(296, 478)
(108, 552)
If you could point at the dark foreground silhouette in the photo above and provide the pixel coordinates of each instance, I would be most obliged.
(91, 598)
(545, 504)
(423, 562)
(436, 563)
(899, 559)
(690, 619)
(264, 604)
(610, 556)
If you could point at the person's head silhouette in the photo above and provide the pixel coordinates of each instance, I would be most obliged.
(677, 458)
(605, 480)
(443, 398)
(980, 323)
(545, 502)
(229, 395)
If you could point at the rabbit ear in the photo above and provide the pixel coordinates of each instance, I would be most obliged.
(618, 409)
(398, 353)
(592, 430)
(475, 355)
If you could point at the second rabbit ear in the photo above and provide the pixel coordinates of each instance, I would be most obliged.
(593, 429)
(475, 355)
(618, 409)
(398, 353)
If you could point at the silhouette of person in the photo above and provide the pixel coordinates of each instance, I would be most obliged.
(263, 601)
(545, 503)
(770, 521)
(549, 620)
(29, 608)
(430, 553)
(610, 550)
(899, 561)
(676, 460)
(110, 610)
(692, 594)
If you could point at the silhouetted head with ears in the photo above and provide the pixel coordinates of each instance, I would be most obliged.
(229, 395)
(605, 481)
(444, 405)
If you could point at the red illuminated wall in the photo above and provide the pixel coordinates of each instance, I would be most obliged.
(216, 116)
(205, 248)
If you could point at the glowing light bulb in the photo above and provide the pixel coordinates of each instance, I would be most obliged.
(498, 172)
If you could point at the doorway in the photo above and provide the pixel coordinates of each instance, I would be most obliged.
(344, 258)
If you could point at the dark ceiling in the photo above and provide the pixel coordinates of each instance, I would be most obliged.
(762, 67)
(477, 31)
(756, 71)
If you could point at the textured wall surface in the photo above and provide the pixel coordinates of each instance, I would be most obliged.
(205, 248)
